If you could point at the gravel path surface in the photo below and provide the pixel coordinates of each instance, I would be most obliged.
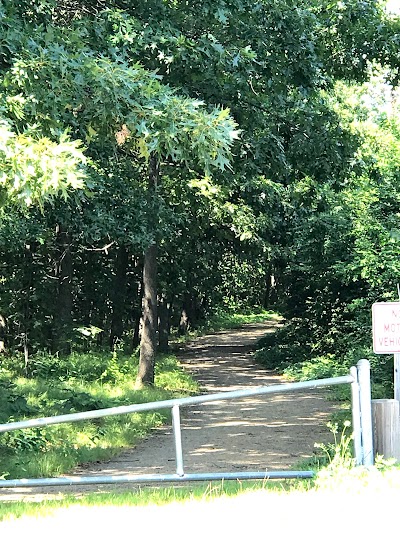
(272, 432)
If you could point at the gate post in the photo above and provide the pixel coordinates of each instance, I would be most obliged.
(176, 426)
(364, 380)
(356, 416)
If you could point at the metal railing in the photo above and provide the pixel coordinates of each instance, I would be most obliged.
(359, 379)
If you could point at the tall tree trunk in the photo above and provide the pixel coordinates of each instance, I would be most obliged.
(3, 332)
(269, 287)
(137, 317)
(137, 302)
(28, 284)
(188, 313)
(148, 342)
(163, 324)
(118, 296)
(63, 310)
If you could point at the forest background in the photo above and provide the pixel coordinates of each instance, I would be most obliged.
(202, 158)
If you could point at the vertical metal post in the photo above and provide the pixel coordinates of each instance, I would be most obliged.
(364, 381)
(356, 415)
(397, 376)
(176, 426)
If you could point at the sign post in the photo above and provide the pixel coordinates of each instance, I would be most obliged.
(386, 335)
(385, 413)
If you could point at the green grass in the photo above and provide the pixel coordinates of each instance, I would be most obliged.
(138, 497)
(335, 478)
(225, 320)
(289, 350)
(56, 386)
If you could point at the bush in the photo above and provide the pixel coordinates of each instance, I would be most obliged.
(285, 346)
(293, 351)
(82, 382)
(317, 368)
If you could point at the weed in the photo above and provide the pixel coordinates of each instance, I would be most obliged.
(83, 382)
(339, 453)
(291, 351)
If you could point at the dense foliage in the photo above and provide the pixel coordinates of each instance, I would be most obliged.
(238, 149)
(56, 386)
(344, 249)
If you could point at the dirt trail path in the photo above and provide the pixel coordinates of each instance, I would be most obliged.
(273, 432)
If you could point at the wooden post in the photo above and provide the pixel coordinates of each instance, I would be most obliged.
(386, 422)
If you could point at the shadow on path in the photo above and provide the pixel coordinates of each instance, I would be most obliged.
(272, 432)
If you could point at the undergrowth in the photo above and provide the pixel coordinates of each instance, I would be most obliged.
(81, 382)
(293, 352)
(54, 385)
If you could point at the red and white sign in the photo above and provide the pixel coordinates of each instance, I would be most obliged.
(386, 327)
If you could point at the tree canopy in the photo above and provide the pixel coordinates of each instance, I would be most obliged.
(243, 144)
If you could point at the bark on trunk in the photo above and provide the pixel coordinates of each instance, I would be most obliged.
(137, 321)
(188, 314)
(28, 284)
(163, 325)
(269, 288)
(3, 332)
(137, 303)
(148, 342)
(63, 311)
(118, 296)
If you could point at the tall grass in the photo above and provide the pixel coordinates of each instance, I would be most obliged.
(54, 385)
(82, 382)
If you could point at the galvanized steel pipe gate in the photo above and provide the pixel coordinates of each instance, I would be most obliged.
(359, 379)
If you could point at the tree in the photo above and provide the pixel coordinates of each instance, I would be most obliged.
(343, 242)
(100, 73)
(107, 103)
(34, 169)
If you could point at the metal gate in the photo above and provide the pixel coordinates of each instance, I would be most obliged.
(358, 379)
